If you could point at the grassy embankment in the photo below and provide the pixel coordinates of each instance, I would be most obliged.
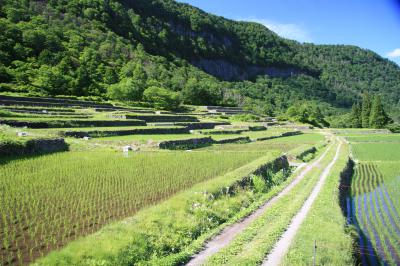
(252, 245)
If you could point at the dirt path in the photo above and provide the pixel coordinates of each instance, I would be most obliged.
(229, 233)
(282, 246)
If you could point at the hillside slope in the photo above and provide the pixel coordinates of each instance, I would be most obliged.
(119, 48)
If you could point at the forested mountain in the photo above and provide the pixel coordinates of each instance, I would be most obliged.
(117, 49)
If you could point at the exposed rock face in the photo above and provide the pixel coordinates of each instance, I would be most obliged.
(228, 71)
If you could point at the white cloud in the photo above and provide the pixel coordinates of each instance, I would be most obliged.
(394, 54)
(289, 31)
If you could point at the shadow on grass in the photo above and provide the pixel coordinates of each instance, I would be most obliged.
(10, 158)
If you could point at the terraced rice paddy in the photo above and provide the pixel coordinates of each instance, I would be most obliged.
(375, 138)
(77, 193)
(373, 206)
(281, 144)
(48, 201)
(376, 151)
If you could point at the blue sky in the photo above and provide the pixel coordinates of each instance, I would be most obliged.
(371, 24)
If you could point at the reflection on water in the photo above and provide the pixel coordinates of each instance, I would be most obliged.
(371, 210)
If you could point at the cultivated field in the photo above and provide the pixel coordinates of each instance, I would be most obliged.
(373, 206)
(129, 191)
(51, 200)
(63, 196)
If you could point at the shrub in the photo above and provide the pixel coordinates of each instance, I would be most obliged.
(259, 184)
(162, 98)
(394, 128)
(245, 118)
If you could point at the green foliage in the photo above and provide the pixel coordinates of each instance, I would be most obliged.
(356, 118)
(366, 115)
(366, 110)
(307, 112)
(245, 118)
(259, 184)
(162, 98)
(118, 49)
(394, 128)
(127, 89)
(378, 117)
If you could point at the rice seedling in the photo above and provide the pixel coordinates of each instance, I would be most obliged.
(376, 151)
(50, 200)
(375, 216)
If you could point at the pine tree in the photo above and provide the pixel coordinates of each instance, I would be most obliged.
(356, 116)
(366, 110)
(378, 118)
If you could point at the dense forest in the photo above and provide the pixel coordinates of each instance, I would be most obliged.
(119, 49)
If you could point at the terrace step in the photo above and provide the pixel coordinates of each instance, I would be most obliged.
(33, 146)
(201, 125)
(5, 99)
(163, 118)
(124, 132)
(47, 104)
(71, 123)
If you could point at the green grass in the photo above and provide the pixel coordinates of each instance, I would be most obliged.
(146, 138)
(376, 151)
(53, 199)
(324, 224)
(374, 138)
(284, 144)
(375, 194)
(170, 231)
(251, 246)
(391, 178)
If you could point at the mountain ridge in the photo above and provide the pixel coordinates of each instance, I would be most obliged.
(100, 45)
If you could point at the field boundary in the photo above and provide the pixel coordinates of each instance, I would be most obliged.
(276, 255)
(230, 232)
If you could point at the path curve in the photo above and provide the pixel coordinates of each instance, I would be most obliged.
(282, 246)
(230, 232)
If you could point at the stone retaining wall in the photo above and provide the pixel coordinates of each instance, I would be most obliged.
(163, 118)
(305, 153)
(71, 123)
(186, 144)
(286, 134)
(257, 128)
(33, 146)
(4, 98)
(233, 140)
(108, 133)
(201, 125)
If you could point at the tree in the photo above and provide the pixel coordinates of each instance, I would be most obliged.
(162, 98)
(355, 116)
(308, 113)
(127, 89)
(365, 110)
(52, 80)
(201, 92)
(378, 118)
